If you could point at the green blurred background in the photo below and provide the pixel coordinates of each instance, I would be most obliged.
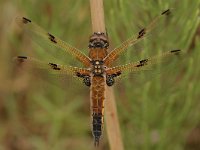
(158, 113)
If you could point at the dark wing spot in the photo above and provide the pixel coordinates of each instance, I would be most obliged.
(176, 52)
(52, 38)
(21, 59)
(54, 66)
(118, 73)
(166, 12)
(78, 74)
(142, 63)
(141, 33)
(25, 20)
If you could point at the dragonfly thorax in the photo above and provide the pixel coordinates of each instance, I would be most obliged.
(97, 67)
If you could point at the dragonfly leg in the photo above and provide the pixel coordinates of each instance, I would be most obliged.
(86, 78)
(110, 78)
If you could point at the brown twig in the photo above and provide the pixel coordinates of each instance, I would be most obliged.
(97, 16)
(112, 123)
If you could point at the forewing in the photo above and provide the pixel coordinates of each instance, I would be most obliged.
(37, 31)
(115, 53)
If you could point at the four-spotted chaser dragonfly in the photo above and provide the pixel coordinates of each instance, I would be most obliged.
(98, 71)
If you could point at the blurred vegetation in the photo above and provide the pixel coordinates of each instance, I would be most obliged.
(160, 113)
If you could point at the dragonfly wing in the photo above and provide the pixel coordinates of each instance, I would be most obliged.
(27, 24)
(144, 64)
(115, 53)
(51, 67)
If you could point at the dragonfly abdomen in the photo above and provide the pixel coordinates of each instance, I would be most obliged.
(97, 127)
(97, 97)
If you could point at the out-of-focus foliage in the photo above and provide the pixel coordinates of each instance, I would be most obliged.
(160, 112)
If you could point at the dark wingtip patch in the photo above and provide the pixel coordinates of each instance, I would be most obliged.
(141, 33)
(166, 12)
(21, 59)
(25, 20)
(176, 51)
(54, 66)
(52, 38)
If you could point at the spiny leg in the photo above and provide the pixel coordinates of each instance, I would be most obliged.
(114, 54)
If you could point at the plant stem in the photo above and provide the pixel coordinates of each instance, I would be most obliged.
(97, 16)
(112, 123)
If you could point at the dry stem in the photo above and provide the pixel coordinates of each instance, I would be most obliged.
(112, 123)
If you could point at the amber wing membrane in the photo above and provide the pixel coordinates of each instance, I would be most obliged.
(115, 53)
(27, 24)
(144, 64)
(52, 67)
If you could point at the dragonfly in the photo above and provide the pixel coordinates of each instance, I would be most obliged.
(98, 70)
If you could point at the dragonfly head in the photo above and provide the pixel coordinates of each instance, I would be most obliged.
(98, 40)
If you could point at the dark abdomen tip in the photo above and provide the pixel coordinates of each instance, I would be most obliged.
(97, 127)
